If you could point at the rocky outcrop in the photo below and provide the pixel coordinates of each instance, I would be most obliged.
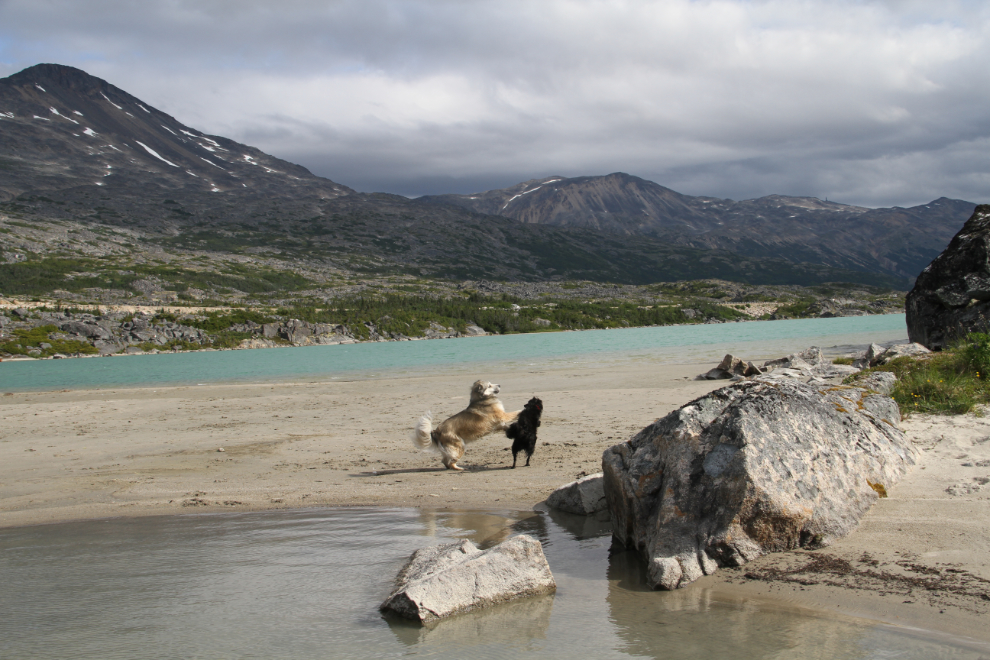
(443, 580)
(752, 468)
(951, 297)
(731, 366)
(809, 364)
(584, 497)
(117, 333)
(901, 350)
(881, 382)
(878, 355)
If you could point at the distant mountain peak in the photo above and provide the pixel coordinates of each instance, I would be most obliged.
(57, 74)
(63, 127)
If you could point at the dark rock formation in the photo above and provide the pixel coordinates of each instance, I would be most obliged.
(952, 295)
(751, 468)
(443, 580)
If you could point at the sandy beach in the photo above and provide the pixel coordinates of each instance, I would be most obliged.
(919, 558)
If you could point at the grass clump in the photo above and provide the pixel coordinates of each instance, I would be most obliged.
(951, 382)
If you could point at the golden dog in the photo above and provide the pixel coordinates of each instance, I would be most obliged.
(483, 415)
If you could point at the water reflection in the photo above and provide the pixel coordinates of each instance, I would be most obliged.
(483, 528)
(702, 621)
(516, 624)
(582, 527)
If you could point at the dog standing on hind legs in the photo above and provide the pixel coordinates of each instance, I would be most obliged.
(483, 415)
(522, 432)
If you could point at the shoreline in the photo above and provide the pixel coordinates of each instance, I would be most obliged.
(126, 452)
(257, 342)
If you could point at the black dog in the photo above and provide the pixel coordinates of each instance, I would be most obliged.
(522, 432)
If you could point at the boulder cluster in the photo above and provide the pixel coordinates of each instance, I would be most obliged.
(109, 333)
(810, 364)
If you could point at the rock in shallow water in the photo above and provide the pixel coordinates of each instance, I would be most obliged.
(751, 468)
(443, 580)
(583, 497)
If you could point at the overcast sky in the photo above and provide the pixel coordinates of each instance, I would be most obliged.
(873, 103)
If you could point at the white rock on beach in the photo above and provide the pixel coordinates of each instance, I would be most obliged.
(443, 580)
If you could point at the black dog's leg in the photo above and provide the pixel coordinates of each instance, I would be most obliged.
(514, 453)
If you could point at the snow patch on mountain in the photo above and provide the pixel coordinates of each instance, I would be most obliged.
(523, 193)
(212, 163)
(57, 113)
(110, 102)
(155, 154)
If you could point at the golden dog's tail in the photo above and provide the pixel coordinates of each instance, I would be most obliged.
(421, 435)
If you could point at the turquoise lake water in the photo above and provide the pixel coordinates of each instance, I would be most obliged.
(666, 344)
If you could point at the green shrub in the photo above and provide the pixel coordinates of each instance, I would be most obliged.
(975, 354)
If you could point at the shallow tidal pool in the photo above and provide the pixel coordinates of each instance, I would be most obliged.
(307, 584)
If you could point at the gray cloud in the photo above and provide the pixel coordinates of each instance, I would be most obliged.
(873, 103)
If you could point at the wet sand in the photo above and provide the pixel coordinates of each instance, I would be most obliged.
(920, 557)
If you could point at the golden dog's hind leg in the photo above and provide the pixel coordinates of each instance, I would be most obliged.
(452, 450)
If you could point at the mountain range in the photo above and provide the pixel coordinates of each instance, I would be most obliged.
(75, 147)
(900, 241)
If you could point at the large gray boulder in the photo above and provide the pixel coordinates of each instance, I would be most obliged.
(443, 580)
(752, 468)
(951, 297)
(585, 497)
